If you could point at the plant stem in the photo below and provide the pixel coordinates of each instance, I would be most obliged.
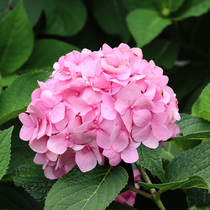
(155, 195)
(145, 194)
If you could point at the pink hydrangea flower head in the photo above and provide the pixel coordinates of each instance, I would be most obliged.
(96, 105)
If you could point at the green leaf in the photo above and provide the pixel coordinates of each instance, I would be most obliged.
(163, 52)
(198, 197)
(201, 107)
(192, 126)
(64, 17)
(31, 177)
(12, 197)
(192, 181)
(8, 79)
(151, 160)
(44, 53)
(193, 8)
(5, 144)
(145, 25)
(134, 4)
(91, 190)
(171, 5)
(16, 40)
(111, 17)
(170, 151)
(17, 96)
(192, 162)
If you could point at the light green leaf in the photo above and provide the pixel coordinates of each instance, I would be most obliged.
(5, 145)
(193, 8)
(192, 162)
(46, 52)
(64, 17)
(201, 107)
(111, 17)
(91, 190)
(192, 181)
(145, 25)
(170, 151)
(16, 40)
(163, 52)
(17, 96)
(151, 160)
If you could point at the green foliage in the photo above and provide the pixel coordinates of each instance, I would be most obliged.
(145, 25)
(44, 54)
(64, 17)
(16, 40)
(192, 181)
(111, 17)
(173, 33)
(201, 107)
(151, 160)
(192, 162)
(79, 190)
(5, 139)
(17, 96)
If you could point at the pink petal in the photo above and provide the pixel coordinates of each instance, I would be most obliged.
(160, 131)
(160, 118)
(91, 96)
(80, 106)
(142, 118)
(130, 154)
(48, 172)
(56, 144)
(39, 145)
(86, 160)
(58, 112)
(140, 134)
(26, 133)
(121, 106)
(26, 119)
(107, 108)
(151, 142)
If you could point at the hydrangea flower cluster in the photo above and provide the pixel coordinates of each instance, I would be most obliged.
(97, 105)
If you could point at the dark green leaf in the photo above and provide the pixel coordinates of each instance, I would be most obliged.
(91, 190)
(46, 52)
(145, 25)
(134, 4)
(163, 52)
(111, 17)
(193, 8)
(17, 96)
(151, 160)
(198, 197)
(64, 17)
(12, 197)
(192, 181)
(16, 40)
(192, 162)
(33, 9)
(5, 145)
